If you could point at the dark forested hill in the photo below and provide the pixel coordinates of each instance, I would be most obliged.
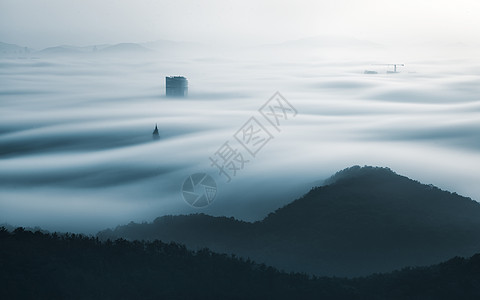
(364, 220)
(36, 265)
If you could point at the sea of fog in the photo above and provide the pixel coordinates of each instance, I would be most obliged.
(77, 153)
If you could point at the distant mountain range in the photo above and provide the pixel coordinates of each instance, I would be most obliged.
(318, 44)
(168, 47)
(364, 220)
(162, 46)
(12, 49)
(100, 49)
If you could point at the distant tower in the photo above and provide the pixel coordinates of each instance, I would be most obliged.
(176, 86)
(155, 134)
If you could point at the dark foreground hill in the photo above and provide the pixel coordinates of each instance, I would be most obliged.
(50, 266)
(364, 220)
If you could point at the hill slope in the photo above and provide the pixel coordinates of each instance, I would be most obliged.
(13, 50)
(364, 220)
(50, 266)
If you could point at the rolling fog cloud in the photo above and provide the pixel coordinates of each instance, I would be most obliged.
(76, 150)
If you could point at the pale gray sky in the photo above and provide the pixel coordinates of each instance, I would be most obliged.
(42, 23)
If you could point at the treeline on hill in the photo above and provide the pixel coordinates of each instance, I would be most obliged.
(366, 220)
(36, 265)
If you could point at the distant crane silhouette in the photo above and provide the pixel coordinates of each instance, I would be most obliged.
(394, 66)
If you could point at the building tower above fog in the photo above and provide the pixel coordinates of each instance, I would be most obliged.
(176, 86)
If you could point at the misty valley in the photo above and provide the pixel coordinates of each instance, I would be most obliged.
(294, 170)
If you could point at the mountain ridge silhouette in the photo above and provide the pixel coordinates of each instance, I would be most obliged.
(364, 220)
